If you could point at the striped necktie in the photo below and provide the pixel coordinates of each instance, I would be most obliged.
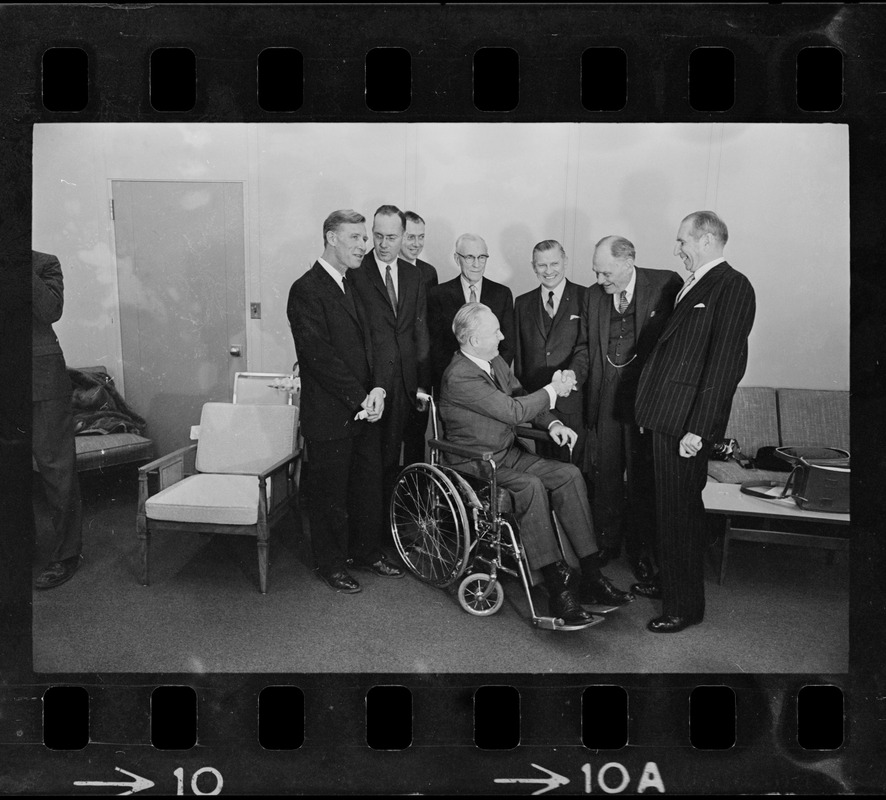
(473, 294)
(684, 289)
(549, 306)
(623, 302)
(389, 284)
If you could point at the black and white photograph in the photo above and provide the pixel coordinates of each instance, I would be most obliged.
(471, 398)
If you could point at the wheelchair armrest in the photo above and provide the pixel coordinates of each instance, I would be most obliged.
(525, 432)
(464, 452)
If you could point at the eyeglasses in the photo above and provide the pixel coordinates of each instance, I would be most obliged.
(471, 260)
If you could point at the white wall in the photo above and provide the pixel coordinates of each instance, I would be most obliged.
(782, 189)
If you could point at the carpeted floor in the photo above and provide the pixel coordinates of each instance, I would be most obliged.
(781, 610)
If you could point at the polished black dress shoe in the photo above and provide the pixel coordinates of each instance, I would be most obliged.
(600, 591)
(564, 606)
(650, 589)
(642, 568)
(339, 580)
(382, 567)
(57, 572)
(669, 624)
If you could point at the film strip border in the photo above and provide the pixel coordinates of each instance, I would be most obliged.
(447, 62)
(625, 736)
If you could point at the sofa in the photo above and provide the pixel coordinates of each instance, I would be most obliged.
(763, 416)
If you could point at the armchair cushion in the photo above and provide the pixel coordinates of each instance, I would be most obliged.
(209, 499)
(245, 439)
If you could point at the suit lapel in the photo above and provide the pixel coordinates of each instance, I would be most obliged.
(538, 312)
(697, 294)
(376, 281)
(328, 285)
(643, 302)
(604, 316)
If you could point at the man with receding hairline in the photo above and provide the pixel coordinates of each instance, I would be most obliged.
(470, 286)
(394, 296)
(685, 397)
(547, 323)
(625, 312)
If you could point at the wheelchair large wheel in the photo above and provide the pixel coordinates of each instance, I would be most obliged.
(429, 524)
(471, 591)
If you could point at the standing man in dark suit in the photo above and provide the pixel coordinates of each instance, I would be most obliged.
(481, 403)
(53, 424)
(684, 397)
(547, 325)
(394, 297)
(471, 255)
(341, 404)
(626, 309)
(414, 437)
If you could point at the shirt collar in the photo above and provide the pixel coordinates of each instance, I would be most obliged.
(486, 366)
(629, 289)
(466, 288)
(704, 269)
(557, 290)
(333, 272)
(382, 267)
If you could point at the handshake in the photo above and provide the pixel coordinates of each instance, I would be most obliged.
(563, 382)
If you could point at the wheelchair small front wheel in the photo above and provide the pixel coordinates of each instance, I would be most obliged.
(471, 593)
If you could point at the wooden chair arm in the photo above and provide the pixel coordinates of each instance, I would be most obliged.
(176, 457)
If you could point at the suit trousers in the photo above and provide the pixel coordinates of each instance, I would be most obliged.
(344, 498)
(398, 407)
(682, 525)
(530, 479)
(415, 437)
(56, 456)
(624, 483)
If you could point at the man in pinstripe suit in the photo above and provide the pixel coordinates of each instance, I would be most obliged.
(684, 397)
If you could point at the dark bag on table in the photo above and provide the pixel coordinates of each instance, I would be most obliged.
(819, 480)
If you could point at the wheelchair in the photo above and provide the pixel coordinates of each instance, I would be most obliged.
(451, 526)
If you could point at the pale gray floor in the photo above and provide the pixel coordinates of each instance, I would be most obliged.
(783, 609)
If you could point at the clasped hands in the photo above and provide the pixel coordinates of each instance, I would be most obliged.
(373, 405)
(563, 382)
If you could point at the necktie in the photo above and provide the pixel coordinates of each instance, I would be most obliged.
(345, 284)
(684, 289)
(473, 294)
(494, 377)
(549, 306)
(389, 284)
(623, 302)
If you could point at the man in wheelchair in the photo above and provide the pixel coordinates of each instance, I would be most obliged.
(481, 403)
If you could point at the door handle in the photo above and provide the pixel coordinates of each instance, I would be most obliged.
(235, 351)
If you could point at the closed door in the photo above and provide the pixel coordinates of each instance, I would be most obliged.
(181, 276)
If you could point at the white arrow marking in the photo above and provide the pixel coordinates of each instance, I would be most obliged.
(132, 786)
(551, 782)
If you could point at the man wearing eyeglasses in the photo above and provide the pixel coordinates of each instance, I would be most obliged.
(471, 256)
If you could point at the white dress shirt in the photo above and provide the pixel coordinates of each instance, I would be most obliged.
(628, 290)
(466, 288)
(383, 271)
(558, 295)
(333, 272)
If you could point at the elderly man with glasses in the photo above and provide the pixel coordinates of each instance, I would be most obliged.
(470, 286)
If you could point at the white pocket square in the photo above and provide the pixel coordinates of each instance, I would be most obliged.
(698, 305)
(574, 316)
(652, 315)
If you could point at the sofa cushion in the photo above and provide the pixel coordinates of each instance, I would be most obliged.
(210, 499)
(753, 421)
(814, 418)
(245, 439)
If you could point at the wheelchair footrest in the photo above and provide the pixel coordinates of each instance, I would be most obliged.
(557, 624)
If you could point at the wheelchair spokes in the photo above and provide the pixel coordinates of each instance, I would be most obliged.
(429, 524)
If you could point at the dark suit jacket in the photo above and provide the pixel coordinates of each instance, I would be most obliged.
(334, 349)
(400, 343)
(49, 376)
(443, 303)
(654, 295)
(428, 273)
(476, 413)
(691, 375)
(537, 354)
